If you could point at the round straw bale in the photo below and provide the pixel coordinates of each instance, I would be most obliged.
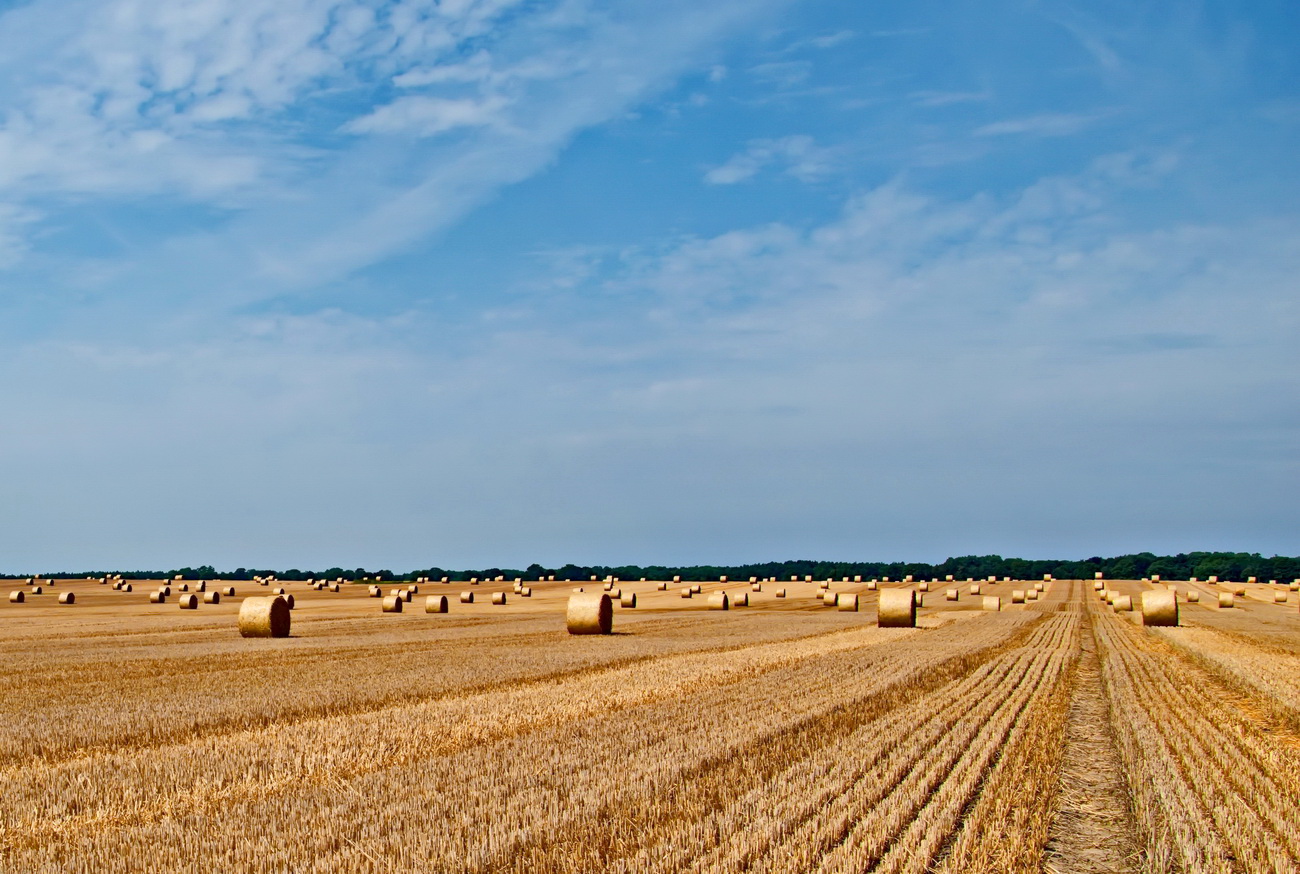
(499, 598)
(467, 597)
(1097, 576)
(264, 617)
(871, 586)
(189, 601)
(677, 579)
(722, 579)
(1251, 579)
(1278, 597)
(1031, 595)
(36, 590)
(526, 592)
(627, 599)
(1160, 608)
(719, 601)
(807, 578)
(828, 598)
(392, 604)
(615, 593)
(17, 597)
(756, 587)
(126, 588)
(847, 603)
(951, 595)
(697, 589)
(740, 600)
(185, 587)
(69, 598)
(780, 593)
(200, 586)
(415, 590)
(211, 597)
(1017, 596)
(924, 587)
(435, 604)
(975, 588)
(375, 592)
(1155, 578)
(992, 602)
(1193, 596)
(755, 579)
(1038, 587)
(278, 590)
(609, 584)
(687, 592)
(948, 578)
(920, 599)
(1213, 580)
(897, 609)
(662, 587)
(1122, 603)
(334, 587)
(1099, 586)
(590, 614)
(1225, 600)
(288, 600)
(408, 594)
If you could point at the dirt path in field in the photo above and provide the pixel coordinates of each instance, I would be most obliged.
(1093, 828)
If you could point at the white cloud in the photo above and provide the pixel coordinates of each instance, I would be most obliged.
(798, 156)
(427, 116)
(1051, 124)
(948, 98)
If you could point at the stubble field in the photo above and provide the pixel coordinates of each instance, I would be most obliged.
(783, 736)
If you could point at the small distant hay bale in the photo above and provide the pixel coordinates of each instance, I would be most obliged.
(1047, 578)
(923, 587)
(228, 591)
(1098, 586)
(1212, 580)
(1097, 576)
(185, 587)
(609, 584)
(473, 581)
(117, 586)
(577, 589)
(589, 614)
(991, 602)
(525, 591)
(829, 598)
(719, 601)
(677, 579)
(1038, 587)
(499, 598)
(1193, 596)
(334, 587)
(467, 597)
(857, 578)
(615, 593)
(722, 579)
(756, 587)
(627, 599)
(846, 603)
(807, 578)
(189, 601)
(871, 586)
(200, 586)
(1251, 580)
(975, 588)
(948, 578)
(780, 593)
(952, 594)
(264, 617)
(392, 604)
(414, 590)
(1122, 603)
(1160, 608)
(662, 587)
(435, 604)
(375, 592)
(279, 590)
(897, 609)
(1225, 600)
(1278, 597)
(211, 597)
(1017, 596)
(740, 600)
(697, 589)
(755, 579)
(36, 590)
(126, 588)
(1031, 595)
(687, 592)
(1155, 578)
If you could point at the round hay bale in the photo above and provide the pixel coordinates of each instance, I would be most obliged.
(677, 579)
(615, 593)
(740, 600)
(1017, 596)
(211, 597)
(1160, 608)
(662, 587)
(807, 578)
(871, 586)
(1213, 580)
(589, 614)
(467, 597)
(1031, 595)
(375, 592)
(924, 587)
(166, 590)
(948, 578)
(526, 592)
(975, 588)
(951, 595)
(780, 593)
(36, 590)
(414, 590)
(264, 617)
(1097, 576)
(992, 602)
(697, 589)
(828, 598)
(719, 601)
(897, 609)
(1098, 586)
(334, 587)
(435, 604)
(288, 599)
(1122, 603)
(392, 604)
(1225, 600)
(609, 584)
(756, 587)
(69, 598)
(687, 592)
(1155, 578)
(279, 590)
(1251, 580)
(627, 599)
(847, 603)
(189, 601)
(920, 599)
(126, 588)
(228, 591)
(408, 594)
(17, 597)
(1278, 597)
(201, 587)
(185, 587)
(158, 597)
(1193, 597)
(499, 598)
(1038, 587)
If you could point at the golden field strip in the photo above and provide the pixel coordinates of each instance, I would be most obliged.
(784, 736)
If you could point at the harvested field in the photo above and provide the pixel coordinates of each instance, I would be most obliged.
(1055, 735)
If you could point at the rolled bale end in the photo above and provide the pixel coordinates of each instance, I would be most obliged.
(780, 593)
(1038, 587)
(393, 604)
(185, 587)
(499, 598)
(975, 589)
(467, 597)
(264, 617)
(1193, 597)
(335, 587)
(17, 597)
(126, 588)
(36, 590)
(1122, 603)
(741, 600)
(435, 604)
(1225, 600)
(211, 597)
(590, 614)
(189, 601)
(1160, 608)
(992, 602)
(627, 599)
(1017, 596)
(288, 600)
(847, 603)
(719, 601)
(69, 598)
(829, 598)
(228, 591)
(952, 595)
(615, 594)
(897, 609)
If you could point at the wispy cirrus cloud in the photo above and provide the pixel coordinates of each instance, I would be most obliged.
(1048, 124)
(797, 156)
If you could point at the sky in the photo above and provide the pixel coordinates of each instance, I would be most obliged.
(303, 283)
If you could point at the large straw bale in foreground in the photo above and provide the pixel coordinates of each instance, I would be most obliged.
(897, 609)
(590, 614)
(1160, 608)
(264, 617)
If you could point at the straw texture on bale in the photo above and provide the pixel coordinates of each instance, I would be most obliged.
(1017, 596)
(589, 614)
(1038, 587)
(847, 603)
(829, 598)
(756, 587)
(1160, 608)
(1225, 600)
(780, 593)
(393, 604)
(741, 600)
(279, 590)
(897, 609)
(1122, 603)
(17, 597)
(264, 617)
(719, 601)
(185, 587)
(952, 595)
(627, 599)
(615, 593)
(211, 597)
(992, 602)
(1193, 597)
(189, 601)
(467, 597)
(158, 597)
(435, 604)
(498, 598)
(1098, 586)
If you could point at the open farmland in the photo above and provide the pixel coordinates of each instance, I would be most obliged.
(782, 736)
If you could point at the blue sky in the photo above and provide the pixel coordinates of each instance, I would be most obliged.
(487, 282)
